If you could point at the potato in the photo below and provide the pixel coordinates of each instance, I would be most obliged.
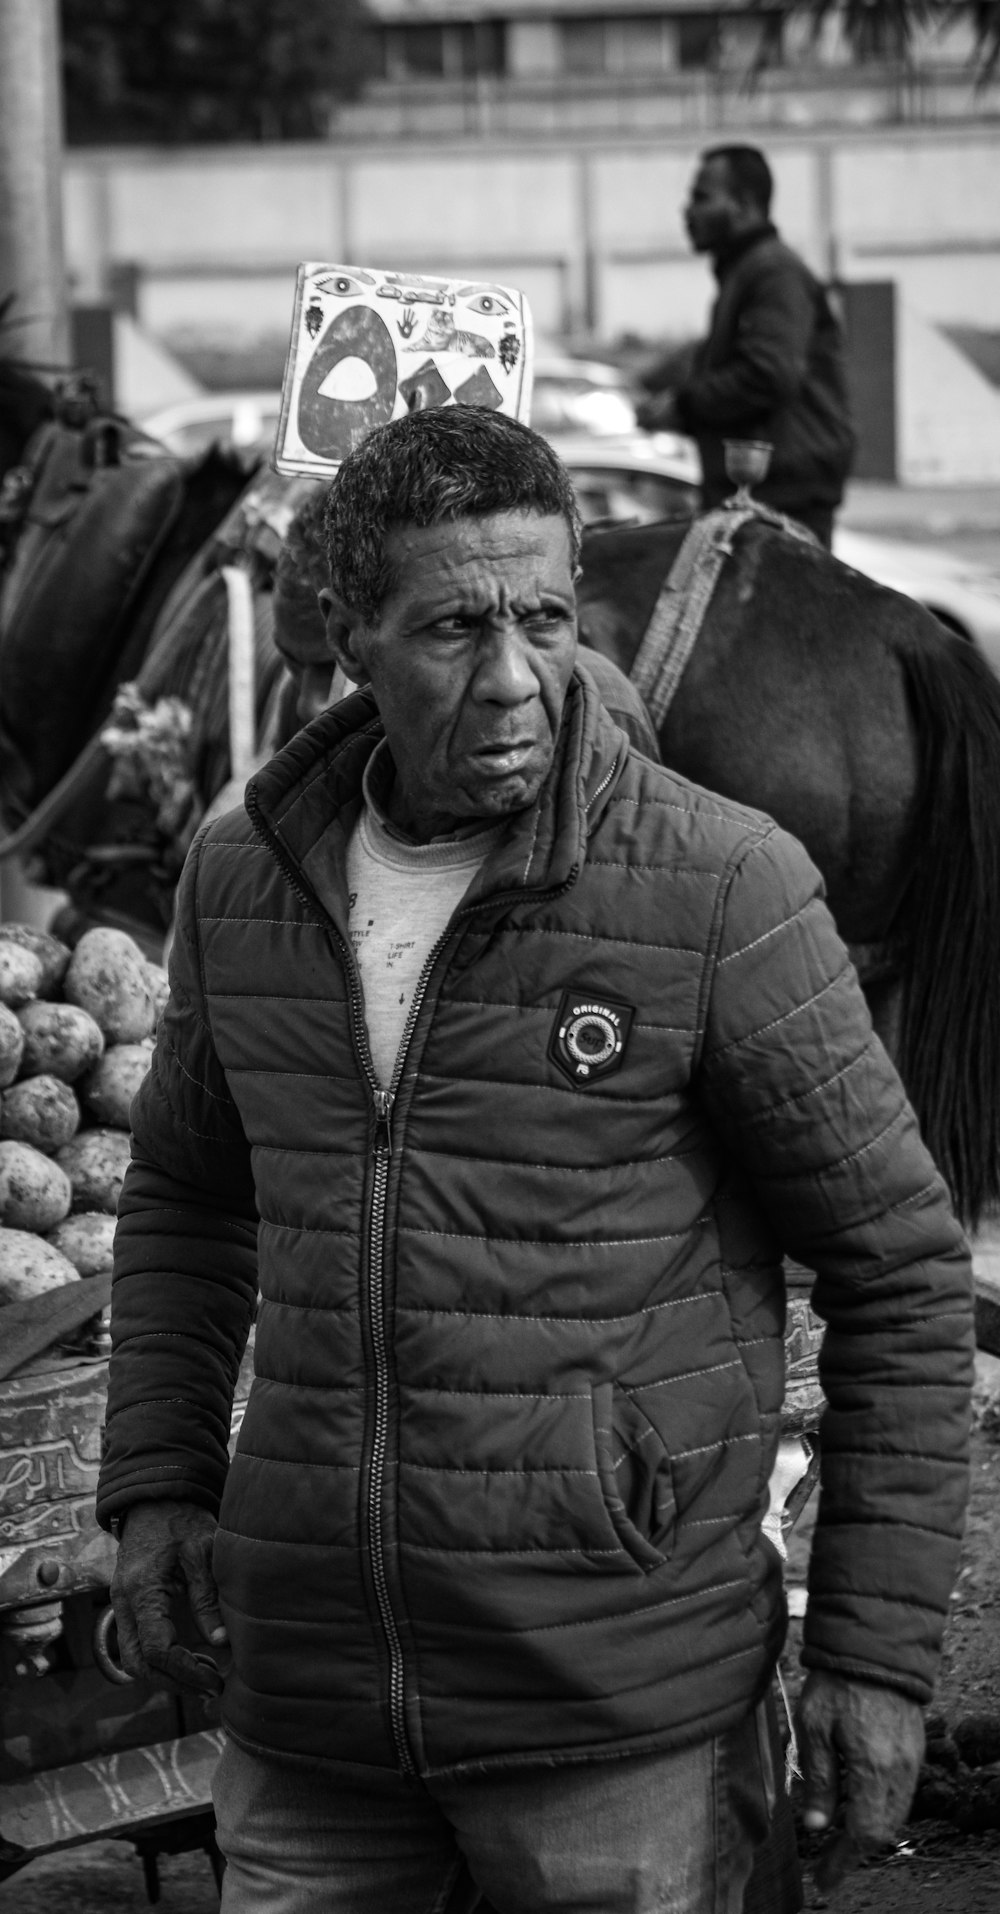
(109, 1087)
(159, 984)
(40, 1110)
(87, 1240)
(95, 1163)
(11, 1045)
(29, 1266)
(21, 974)
(107, 976)
(35, 1193)
(51, 953)
(60, 1040)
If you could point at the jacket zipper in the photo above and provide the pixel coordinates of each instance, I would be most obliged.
(383, 1101)
(602, 787)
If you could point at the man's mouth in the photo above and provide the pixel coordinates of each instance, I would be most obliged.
(506, 757)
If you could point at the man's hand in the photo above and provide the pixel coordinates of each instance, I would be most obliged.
(861, 1746)
(165, 1551)
(658, 414)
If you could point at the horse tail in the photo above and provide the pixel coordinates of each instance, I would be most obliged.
(949, 918)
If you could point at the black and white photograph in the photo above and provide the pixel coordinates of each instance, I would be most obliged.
(499, 956)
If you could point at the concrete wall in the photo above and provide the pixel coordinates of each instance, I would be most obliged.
(593, 233)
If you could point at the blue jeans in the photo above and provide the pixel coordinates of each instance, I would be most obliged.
(659, 1834)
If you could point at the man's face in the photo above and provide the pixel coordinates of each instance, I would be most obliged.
(714, 215)
(469, 660)
(305, 648)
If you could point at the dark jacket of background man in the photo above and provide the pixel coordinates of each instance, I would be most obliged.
(772, 366)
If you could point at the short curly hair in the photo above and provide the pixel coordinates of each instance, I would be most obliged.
(430, 468)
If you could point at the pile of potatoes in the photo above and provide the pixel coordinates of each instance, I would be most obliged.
(76, 1037)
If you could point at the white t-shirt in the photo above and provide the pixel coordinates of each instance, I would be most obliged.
(401, 897)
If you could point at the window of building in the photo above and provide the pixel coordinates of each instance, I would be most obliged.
(618, 43)
(640, 43)
(419, 52)
(480, 46)
(698, 36)
(584, 48)
(450, 52)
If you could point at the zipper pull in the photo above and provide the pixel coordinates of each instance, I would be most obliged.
(383, 1110)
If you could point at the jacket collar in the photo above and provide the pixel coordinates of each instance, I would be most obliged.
(308, 797)
(723, 262)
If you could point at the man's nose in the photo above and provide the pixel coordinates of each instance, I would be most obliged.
(505, 674)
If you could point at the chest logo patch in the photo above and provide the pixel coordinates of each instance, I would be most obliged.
(589, 1038)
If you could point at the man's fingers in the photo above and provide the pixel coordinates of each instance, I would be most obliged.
(877, 1802)
(203, 1596)
(821, 1775)
(163, 1654)
(840, 1853)
(129, 1651)
(192, 1671)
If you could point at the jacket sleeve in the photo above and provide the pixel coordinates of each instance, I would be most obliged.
(185, 1264)
(770, 355)
(810, 1106)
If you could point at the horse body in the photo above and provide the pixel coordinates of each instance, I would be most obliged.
(857, 722)
(794, 700)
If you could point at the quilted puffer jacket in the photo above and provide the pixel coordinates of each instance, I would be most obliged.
(498, 1491)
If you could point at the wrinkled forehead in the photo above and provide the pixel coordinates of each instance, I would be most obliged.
(500, 540)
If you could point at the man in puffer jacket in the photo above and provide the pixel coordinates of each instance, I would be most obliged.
(505, 1065)
(772, 367)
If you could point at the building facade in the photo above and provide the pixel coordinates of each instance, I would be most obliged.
(549, 144)
(535, 67)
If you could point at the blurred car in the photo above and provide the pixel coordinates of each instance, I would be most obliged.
(962, 593)
(650, 477)
(631, 477)
(569, 395)
(580, 395)
(246, 420)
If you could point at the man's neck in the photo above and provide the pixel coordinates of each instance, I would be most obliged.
(727, 255)
(387, 801)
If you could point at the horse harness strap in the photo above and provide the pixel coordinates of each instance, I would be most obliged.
(685, 596)
(242, 671)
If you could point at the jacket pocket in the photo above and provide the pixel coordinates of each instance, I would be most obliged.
(635, 1474)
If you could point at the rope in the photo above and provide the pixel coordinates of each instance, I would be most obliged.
(685, 595)
(242, 672)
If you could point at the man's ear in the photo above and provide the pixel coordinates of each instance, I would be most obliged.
(344, 629)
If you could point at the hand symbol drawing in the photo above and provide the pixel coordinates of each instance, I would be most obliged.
(407, 323)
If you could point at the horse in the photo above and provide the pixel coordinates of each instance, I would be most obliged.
(858, 722)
